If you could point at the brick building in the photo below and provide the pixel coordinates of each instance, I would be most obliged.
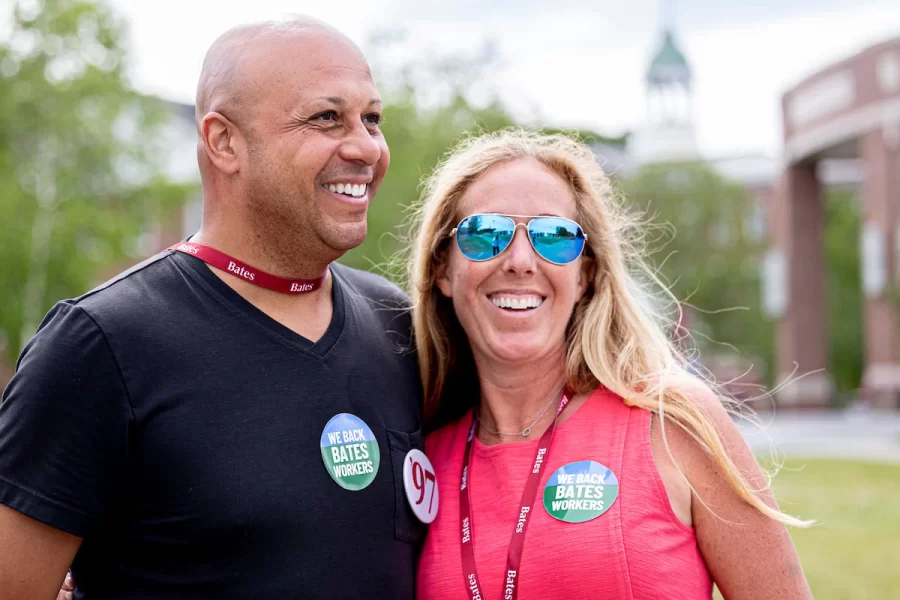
(848, 112)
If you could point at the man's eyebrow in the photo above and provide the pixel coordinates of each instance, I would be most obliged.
(337, 100)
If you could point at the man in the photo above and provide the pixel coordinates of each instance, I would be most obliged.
(230, 418)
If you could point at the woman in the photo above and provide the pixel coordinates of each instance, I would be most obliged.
(578, 457)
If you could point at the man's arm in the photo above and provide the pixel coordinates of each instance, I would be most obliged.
(34, 557)
(64, 421)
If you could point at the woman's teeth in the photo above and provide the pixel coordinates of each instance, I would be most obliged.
(518, 302)
(348, 189)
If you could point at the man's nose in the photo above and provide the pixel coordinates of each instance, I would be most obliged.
(360, 146)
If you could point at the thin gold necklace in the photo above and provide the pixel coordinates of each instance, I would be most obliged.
(525, 432)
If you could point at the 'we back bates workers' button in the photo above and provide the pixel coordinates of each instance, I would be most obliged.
(580, 491)
(350, 451)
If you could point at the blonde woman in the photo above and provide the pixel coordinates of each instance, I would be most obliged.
(577, 457)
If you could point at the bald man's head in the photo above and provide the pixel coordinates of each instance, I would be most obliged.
(288, 114)
(243, 63)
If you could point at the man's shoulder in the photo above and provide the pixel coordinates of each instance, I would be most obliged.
(371, 286)
(140, 290)
(82, 334)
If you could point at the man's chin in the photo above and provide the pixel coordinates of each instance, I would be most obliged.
(348, 236)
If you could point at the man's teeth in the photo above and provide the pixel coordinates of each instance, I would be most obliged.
(518, 302)
(349, 189)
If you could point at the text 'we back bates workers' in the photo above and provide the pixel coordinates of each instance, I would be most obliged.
(350, 452)
(580, 491)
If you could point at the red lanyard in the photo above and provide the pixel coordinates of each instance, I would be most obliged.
(240, 269)
(514, 557)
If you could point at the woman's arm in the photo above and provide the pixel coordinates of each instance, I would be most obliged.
(748, 554)
(67, 591)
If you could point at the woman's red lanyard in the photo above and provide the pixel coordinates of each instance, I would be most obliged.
(220, 260)
(514, 557)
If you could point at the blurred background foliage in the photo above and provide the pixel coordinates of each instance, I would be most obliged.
(82, 184)
(80, 176)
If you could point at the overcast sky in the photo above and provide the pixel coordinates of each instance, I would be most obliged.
(570, 63)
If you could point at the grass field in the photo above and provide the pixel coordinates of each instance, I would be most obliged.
(854, 552)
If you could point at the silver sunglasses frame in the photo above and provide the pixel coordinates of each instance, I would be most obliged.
(515, 229)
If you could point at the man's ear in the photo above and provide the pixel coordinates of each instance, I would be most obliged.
(221, 140)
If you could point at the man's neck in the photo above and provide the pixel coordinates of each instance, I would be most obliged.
(307, 314)
(245, 246)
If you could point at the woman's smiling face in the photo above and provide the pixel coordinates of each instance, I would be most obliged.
(515, 307)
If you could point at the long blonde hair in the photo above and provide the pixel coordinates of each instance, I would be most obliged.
(615, 337)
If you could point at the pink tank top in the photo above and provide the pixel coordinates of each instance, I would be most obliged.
(637, 549)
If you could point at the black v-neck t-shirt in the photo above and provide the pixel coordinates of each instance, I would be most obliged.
(176, 428)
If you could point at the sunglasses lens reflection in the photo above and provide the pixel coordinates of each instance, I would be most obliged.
(556, 239)
(481, 237)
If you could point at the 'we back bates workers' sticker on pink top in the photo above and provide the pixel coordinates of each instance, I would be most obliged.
(580, 491)
(350, 451)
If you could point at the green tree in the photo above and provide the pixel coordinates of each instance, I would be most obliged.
(79, 181)
(701, 247)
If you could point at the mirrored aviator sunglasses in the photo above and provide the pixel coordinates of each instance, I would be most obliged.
(482, 237)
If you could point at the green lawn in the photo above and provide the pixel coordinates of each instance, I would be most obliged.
(854, 553)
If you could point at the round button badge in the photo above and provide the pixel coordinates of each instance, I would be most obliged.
(350, 451)
(580, 491)
(421, 485)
